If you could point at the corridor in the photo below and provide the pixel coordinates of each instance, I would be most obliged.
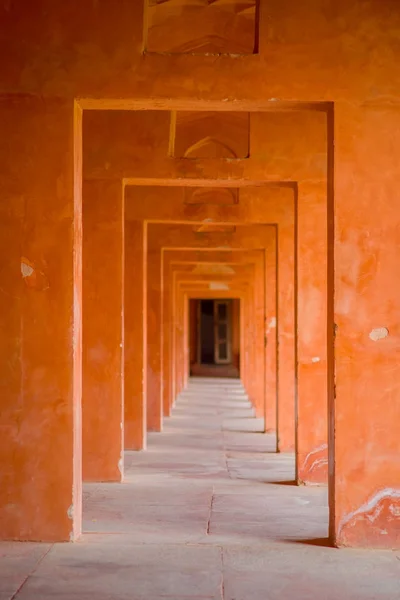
(208, 512)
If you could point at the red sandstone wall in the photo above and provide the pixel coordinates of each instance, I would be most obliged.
(337, 51)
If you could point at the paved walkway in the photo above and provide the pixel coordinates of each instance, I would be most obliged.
(208, 512)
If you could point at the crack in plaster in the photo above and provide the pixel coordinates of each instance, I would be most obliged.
(32, 572)
(210, 514)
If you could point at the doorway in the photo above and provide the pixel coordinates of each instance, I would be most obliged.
(214, 338)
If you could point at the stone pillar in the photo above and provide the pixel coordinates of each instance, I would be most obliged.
(243, 309)
(259, 338)
(271, 396)
(186, 341)
(135, 334)
(247, 342)
(312, 384)
(103, 331)
(286, 339)
(154, 388)
(365, 415)
(174, 334)
(40, 312)
(179, 342)
(251, 344)
(167, 342)
(193, 332)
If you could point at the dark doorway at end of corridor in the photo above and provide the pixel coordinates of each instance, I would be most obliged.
(214, 337)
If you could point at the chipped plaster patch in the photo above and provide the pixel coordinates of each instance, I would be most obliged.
(272, 323)
(379, 334)
(315, 359)
(26, 269)
(70, 512)
(33, 278)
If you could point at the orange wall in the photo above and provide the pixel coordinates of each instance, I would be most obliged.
(336, 31)
(40, 308)
(95, 52)
(103, 331)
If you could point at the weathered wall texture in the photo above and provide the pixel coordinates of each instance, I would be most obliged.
(40, 347)
(103, 331)
(308, 98)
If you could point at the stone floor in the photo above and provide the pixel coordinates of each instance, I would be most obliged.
(208, 512)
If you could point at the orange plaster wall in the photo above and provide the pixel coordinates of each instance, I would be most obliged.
(336, 31)
(115, 71)
(40, 344)
(135, 335)
(365, 439)
(210, 134)
(195, 28)
(154, 339)
(271, 311)
(120, 143)
(312, 405)
(103, 335)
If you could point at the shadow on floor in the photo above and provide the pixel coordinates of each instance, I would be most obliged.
(321, 542)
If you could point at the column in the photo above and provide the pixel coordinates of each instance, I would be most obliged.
(103, 330)
(179, 340)
(135, 335)
(286, 338)
(40, 312)
(242, 356)
(364, 416)
(186, 342)
(312, 383)
(259, 337)
(174, 336)
(247, 341)
(167, 341)
(251, 344)
(271, 396)
(154, 371)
